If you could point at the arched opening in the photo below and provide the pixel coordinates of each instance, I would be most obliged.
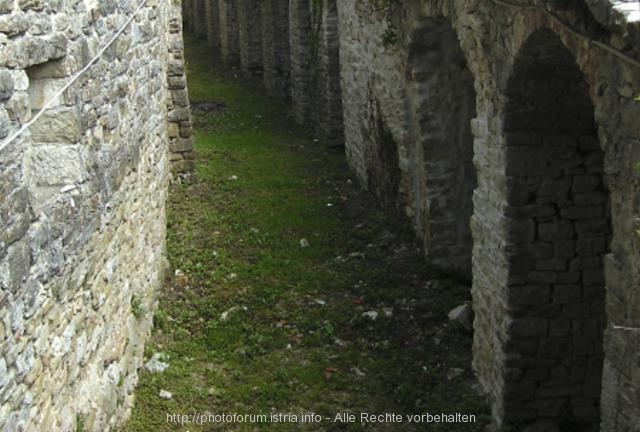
(558, 232)
(442, 99)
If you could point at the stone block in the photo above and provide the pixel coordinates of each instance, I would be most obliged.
(583, 348)
(528, 327)
(554, 187)
(555, 347)
(541, 277)
(6, 85)
(6, 6)
(555, 230)
(537, 374)
(590, 198)
(592, 227)
(548, 311)
(585, 262)
(592, 246)
(530, 211)
(19, 262)
(559, 373)
(568, 277)
(529, 295)
(14, 24)
(586, 329)
(60, 125)
(181, 145)
(554, 392)
(564, 249)
(583, 212)
(554, 264)
(520, 391)
(576, 311)
(521, 230)
(529, 251)
(178, 114)
(56, 165)
(567, 294)
(559, 328)
(593, 277)
(585, 183)
(5, 122)
(172, 129)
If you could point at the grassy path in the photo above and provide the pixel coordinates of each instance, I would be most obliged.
(255, 323)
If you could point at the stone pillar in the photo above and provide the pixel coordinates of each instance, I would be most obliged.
(179, 114)
(326, 92)
(300, 47)
(250, 37)
(212, 10)
(187, 15)
(229, 41)
(199, 18)
(276, 56)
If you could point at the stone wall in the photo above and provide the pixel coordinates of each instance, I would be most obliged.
(275, 47)
(250, 37)
(300, 50)
(179, 111)
(212, 22)
(508, 134)
(229, 37)
(82, 194)
(547, 152)
(326, 93)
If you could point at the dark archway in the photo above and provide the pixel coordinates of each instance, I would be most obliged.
(558, 232)
(442, 98)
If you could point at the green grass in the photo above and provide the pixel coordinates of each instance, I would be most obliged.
(293, 338)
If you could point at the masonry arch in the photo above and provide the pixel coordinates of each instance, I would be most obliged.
(558, 227)
(442, 98)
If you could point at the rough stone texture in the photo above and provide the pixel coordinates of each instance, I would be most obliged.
(82, 194)
(554, 193)
(196, 16)
(179, 128)
(326, 93)
(300, 50)
(511, 143)
(250, 37)
(229, 37)
(275, 47)
(212, 11)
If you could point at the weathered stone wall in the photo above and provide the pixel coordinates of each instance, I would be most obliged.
(300, 50)
(198, 9)
(250, 37)
(213, 25)
(229, 37)
(510, 140)
(82, 217)
(326, 93)
(554, 186)
(275, 47)
(179, 112)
